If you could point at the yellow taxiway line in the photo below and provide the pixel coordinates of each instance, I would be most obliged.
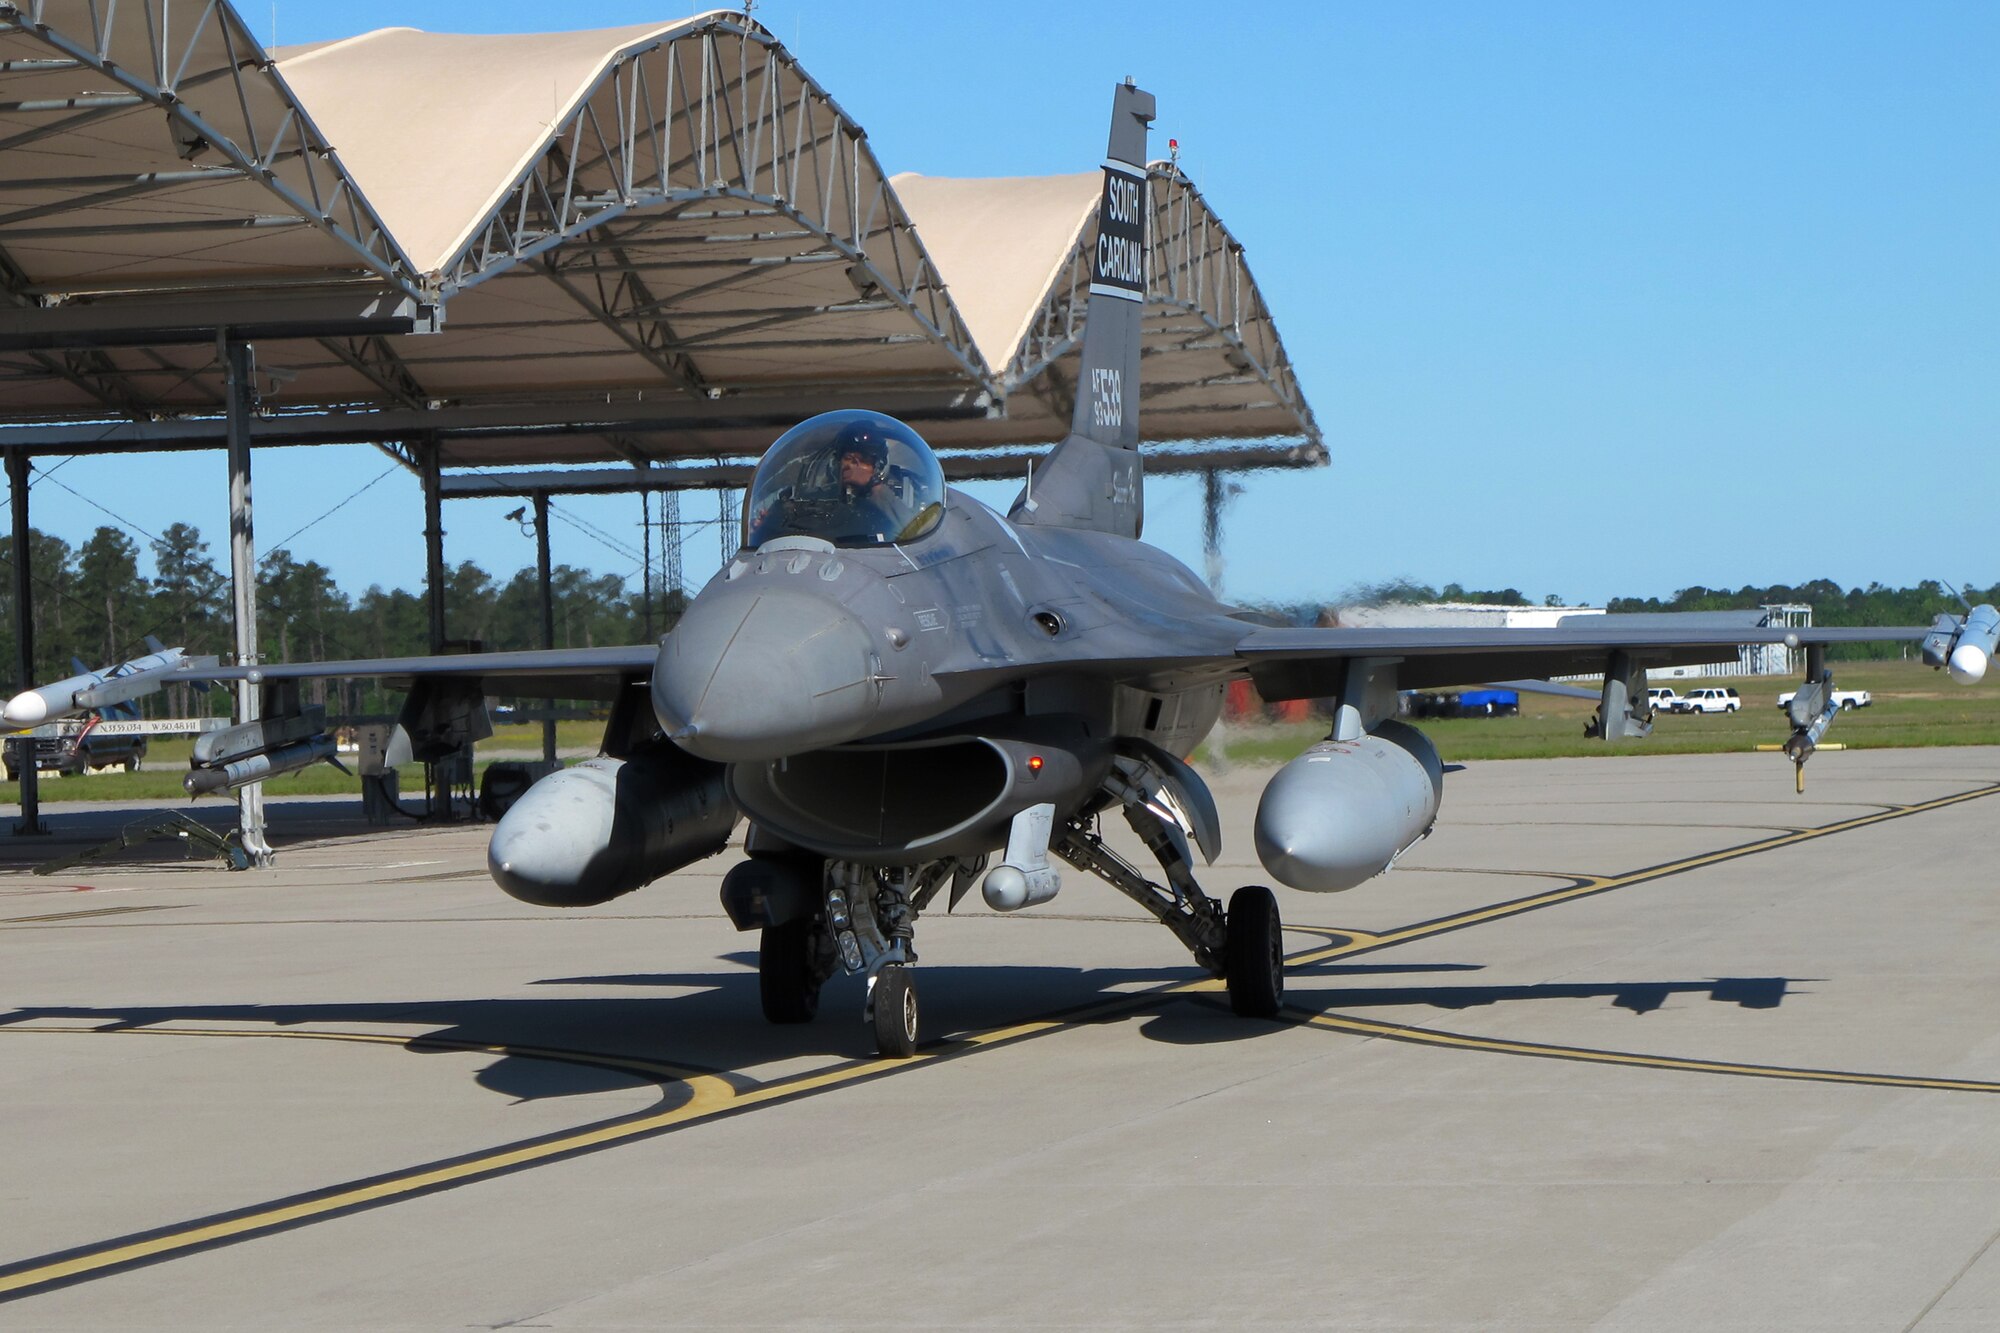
(1586, 885)
(1366, 1027)
(712, 1095)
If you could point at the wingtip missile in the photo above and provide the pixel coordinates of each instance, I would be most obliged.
(1968, 663)
(1964, 645)
(97, 689)
(29, 708)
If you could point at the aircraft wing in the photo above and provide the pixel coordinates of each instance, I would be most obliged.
(1309, 663)
(590, 672)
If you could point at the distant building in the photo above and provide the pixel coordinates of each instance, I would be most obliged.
(1769, 659)
(1452, 615)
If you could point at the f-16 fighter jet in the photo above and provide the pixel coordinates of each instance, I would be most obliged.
(907, 694)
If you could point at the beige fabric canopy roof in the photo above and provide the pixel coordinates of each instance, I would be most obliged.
(648, 243)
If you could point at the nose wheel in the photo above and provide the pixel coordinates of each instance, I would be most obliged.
(892, 1005)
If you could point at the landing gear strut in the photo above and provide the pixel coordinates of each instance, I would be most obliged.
(866, 925)
(1244, 946)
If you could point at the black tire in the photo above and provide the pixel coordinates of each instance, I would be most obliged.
(785, 980)
(131, 763)
(1253, 953)
(895, 1013)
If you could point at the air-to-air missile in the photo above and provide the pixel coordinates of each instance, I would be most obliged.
(1963, 645)
(100, 689)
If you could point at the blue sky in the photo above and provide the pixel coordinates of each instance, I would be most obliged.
(1588, 299)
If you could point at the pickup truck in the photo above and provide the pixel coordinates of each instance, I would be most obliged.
(72, 755)
(1663, 699)
(1709, 699)
(1848, 700)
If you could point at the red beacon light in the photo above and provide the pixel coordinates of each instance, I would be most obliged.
(1034, 763)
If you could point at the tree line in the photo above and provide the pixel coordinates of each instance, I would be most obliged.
(95, 602)
(1876, 604)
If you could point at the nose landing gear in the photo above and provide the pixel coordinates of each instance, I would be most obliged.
(865, 926)
(892, 1008)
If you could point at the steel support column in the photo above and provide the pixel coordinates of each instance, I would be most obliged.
(24, 637)
(646, 531)
(1211, 528)
(241, 362)
(427, 455)
(548, 612)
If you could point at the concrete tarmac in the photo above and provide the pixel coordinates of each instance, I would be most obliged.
(1628, 1043)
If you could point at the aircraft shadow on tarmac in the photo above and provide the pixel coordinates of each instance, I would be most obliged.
(1212, 1022)
(1641, 997)
(715, 1022)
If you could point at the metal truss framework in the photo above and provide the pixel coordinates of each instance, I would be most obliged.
(1199, 291)
(717, 130)
(197, 63)
(717, 225)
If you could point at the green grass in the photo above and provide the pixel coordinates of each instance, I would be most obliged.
(1913, 706)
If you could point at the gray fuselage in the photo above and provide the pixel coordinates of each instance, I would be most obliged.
(876, 662)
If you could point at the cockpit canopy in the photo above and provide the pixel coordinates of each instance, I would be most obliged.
(853, 478)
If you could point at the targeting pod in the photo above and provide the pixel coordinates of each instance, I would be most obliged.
(1025, 878)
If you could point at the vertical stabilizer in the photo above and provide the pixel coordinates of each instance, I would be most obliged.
(1091, 479)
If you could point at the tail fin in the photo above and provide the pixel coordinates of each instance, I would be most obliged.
(1091, 480)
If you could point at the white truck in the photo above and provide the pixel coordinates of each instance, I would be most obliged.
(1846, 700)
(1709, 699)
(1662, 698)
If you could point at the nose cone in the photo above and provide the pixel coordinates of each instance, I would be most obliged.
(26, 709)
(1967, 665)
(755, 673)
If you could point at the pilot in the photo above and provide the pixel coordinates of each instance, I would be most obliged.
(837, 483)
(864, 479)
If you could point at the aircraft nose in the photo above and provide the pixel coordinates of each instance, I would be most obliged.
(759, 673)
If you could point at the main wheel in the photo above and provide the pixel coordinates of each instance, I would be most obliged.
(895, 1012)
(785, 980)
(1254, 953)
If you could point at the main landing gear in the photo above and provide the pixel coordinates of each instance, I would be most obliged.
(1244, 945)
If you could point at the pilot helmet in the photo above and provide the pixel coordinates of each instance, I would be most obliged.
(866, 438)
